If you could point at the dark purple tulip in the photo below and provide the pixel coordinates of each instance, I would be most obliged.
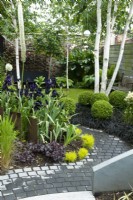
(26, 92)
(53, 82)
(32, 86)
(54, 93)
(8, 80)
(48, 83)
(38, 104)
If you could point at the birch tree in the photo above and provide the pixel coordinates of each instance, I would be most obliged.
(121, 49)
(112, 9)
(14, 20)
(106, 48)
(97, 45)
(21, 35)
(109, 33)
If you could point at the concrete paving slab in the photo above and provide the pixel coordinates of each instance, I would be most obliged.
(115, 174)
(86, 195)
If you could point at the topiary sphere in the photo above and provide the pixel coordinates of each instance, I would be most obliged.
(98, 96)
(102, 109)
(85, 98)
(116, 98)
(69, 105)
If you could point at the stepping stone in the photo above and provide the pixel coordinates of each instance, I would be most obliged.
(86, 195)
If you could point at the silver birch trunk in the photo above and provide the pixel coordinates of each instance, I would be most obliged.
(106, 49)
(97, 45)
(121, 50)
(114, 14)
(16, 49)
(21, 31)
(17, 63)
(114, 18)
(67, 61)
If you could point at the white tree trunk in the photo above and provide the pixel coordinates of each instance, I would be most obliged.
(106, 49)
(121, 50)
(67, 61)
(16, 49)
(21, 31)
(17, 63)
(97, 44)
(113, 21)
(114, 14)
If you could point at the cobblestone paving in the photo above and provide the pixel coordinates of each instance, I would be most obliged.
(27, 182)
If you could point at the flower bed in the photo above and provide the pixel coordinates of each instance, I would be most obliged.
(42, 120)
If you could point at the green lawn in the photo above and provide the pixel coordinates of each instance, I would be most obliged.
(74, 93)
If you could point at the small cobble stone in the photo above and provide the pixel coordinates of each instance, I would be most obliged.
(5, 177)
(27, 169)
(62, 190)
(45, 168)
(18, 190)
(23, 174)
(70, 167)
(32, 173)
(41, 172)
(50, 171)
(41, 192)
(13, 175)
(31, 193)
(52, 191)
(18, 170)
(53, 167)
(36, 168)
(21, 195)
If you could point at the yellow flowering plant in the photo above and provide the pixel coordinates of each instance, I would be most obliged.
(78, 131)
(82, 153)
(88, 141)
(71, 156)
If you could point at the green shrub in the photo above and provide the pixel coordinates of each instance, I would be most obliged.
(102, 109)
(70, 156)
(88, 141)
(69, 105)
(98, 96)
(82, 153)
(61, 82)
(85, 97)
(88, 81)
(116, 98)
(110, 71)
(128, 112)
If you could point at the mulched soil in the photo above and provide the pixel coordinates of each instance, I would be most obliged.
(114, 126)
(42, 160)
(114, 196)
